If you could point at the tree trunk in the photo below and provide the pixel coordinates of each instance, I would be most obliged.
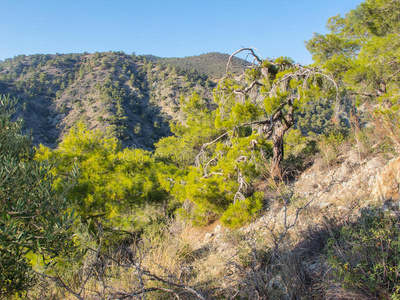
(277, 139)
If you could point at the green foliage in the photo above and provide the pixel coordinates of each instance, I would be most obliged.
(318, 117)
(182, 148)
(362, 51)
(109, 91)
(34, 218)
(217, 175)
(212, 64)
(113, 183)
(330, 146)
(241, 212)
(226, 159)
(294, 142)
(366, 255)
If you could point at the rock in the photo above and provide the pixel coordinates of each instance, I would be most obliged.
(323, 205)
(373, 164)
(217, 228)
(207, 237)
(217, 237)
(344, 172)
(371, 180)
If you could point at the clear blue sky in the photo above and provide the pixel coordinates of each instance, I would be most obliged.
(174, 28)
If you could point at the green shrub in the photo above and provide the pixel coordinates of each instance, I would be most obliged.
(242, 211)
(299, 152)
(34, 218)
(366, 255)
(329, 146)
(114, 183)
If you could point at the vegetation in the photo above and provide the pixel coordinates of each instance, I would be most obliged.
(365, 254)
(191, 194)
(113, 182)
(35, 219)
(129, 96)
(211, 64)
(362, 52)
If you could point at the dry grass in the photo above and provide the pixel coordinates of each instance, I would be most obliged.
(298, 268)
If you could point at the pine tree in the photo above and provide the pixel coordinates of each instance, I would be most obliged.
(362, 52)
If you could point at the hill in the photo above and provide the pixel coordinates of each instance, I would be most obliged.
(131, 97)
(212, 64)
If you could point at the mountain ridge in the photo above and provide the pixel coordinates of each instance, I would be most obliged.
(213, 64)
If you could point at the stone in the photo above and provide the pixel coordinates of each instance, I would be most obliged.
(323, 205)
(207, 237)
(217, 228)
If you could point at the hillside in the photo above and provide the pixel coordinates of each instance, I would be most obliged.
(130, 97)
(311, 215)
(280, 183)
(212, 64)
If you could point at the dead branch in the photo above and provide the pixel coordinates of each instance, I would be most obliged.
(256, 57)
(197, 159)
(247, 89)
(242, 184)
(122, 294)
(184, 287)
(259, 273)
(212, 174)
(139, 288)
(57, 279)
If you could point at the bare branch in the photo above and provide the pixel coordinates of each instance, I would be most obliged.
(124, 294)
(197, 159)
(391, 76)
(187, 288)
(256, 57)
(57, 279)
(247, 89)
(212, 173)
(242, 184)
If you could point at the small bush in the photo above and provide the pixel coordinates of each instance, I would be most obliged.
(330, 146)
(299, 153)
(241, 212)
(366, 255)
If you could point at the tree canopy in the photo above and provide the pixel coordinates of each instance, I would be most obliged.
(114, 182)
(362, 52)
(226, 150)
(362, 48)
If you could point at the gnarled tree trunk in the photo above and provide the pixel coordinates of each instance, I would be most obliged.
(280, 126)
(277, 140)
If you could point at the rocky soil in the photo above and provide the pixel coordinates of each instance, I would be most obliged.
(320, 192)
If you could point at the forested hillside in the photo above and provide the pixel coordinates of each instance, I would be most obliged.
(149, 180)
(129, 97)
(211, 64)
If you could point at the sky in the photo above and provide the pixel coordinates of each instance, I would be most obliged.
(174, 28)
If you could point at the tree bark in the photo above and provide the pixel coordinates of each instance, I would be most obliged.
(281, 125)
(277, 139)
